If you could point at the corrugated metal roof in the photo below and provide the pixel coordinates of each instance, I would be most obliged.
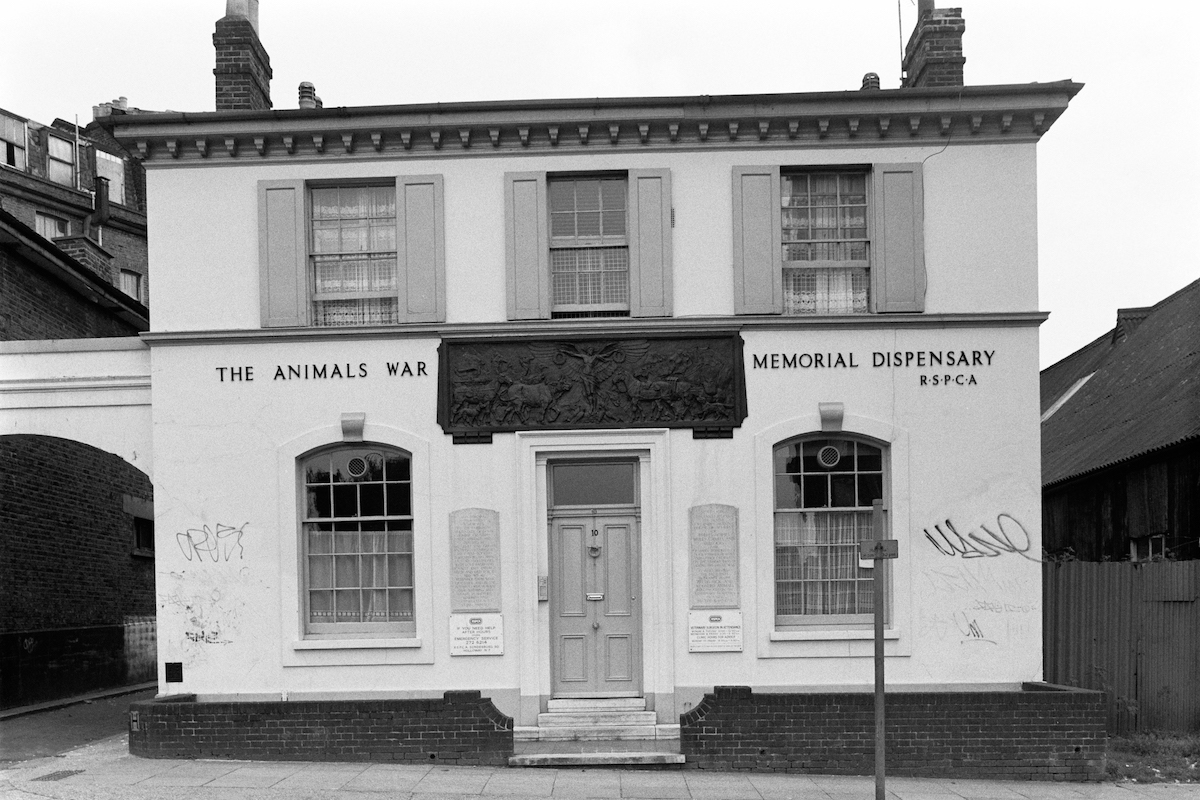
(1144, 395)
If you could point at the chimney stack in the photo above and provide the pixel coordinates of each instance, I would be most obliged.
(934, 55)
(243, 68)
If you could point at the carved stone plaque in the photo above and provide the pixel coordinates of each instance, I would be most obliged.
(492, 385)
(474, 560)
(713, 553)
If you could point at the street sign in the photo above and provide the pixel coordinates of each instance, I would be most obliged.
(871, 549)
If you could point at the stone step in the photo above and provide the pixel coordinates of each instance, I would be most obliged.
(595, 759)
(578, 719)
(586, 733)
(666, 733)
(596, 704)
(590, 733)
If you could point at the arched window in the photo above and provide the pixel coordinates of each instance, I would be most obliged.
(824, 488)
(357, 542)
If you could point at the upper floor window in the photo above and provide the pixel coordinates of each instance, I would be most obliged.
(131, 284)
(828, 240)
(589, 252)
(824, 491)
(113, 168)
(357, 542)
(353, 253)
(367, 253)
(586, 245)
(60, 164)
(12, 142)
(51, 227)
(825, 245)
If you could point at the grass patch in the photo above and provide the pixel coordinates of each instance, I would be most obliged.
(1154, 758)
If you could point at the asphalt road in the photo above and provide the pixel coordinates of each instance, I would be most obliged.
(50, 733)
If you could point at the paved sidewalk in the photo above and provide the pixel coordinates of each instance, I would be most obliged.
(105, 770)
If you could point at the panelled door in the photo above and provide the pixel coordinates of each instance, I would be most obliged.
(595, 613)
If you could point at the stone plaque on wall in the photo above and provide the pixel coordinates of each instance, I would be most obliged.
(474, 560)
(713, 556)
(492, 385)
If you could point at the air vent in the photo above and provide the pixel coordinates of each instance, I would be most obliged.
(357, 467)
(829, 456)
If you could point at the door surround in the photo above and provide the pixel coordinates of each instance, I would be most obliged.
(650, 447)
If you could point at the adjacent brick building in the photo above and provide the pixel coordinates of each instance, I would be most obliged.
(76, 529)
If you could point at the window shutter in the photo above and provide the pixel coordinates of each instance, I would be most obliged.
(420, 248)
(282, 254)
(527, 245)
(650, 274)
(757, 246)
(898, 241)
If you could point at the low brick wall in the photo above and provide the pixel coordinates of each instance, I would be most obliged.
(1044, 732)
(460, 728)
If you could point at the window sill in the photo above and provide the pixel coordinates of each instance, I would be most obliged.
(816, 635)
(355, 644)
(139, 552)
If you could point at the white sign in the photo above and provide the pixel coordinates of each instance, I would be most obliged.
(476, 635)
(718, 631)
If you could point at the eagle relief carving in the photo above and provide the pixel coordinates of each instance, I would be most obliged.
(495, 385)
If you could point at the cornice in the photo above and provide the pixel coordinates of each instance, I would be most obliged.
(880, 117)
(598, 327)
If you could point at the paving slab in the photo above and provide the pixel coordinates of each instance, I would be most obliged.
(653, 784)
(454, 780)
(586, 783)
(192, 773)
(720, 786)
(258, 775)
(520, 782)
(323, 777)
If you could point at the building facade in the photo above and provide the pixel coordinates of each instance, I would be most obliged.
(574, 403)
(76, 514)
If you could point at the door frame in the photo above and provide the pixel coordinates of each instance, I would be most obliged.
(622, 512)
(650, 447)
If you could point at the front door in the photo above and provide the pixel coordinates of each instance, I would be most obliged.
(595, 614)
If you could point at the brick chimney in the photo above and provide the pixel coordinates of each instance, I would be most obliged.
(934, 56)
(91, 255)
(243, 67)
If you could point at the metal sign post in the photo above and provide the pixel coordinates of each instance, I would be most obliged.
(877, 549)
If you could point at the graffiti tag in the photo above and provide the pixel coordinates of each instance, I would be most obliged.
(970, 629)
(218, 545)
(1010, 536)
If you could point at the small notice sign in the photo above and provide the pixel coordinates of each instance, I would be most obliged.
(872, 549)
(476, 635)
(718, 631)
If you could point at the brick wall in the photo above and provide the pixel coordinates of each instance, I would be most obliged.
(71, 585)
(34, 305)
(1041, 733)
(460, 728)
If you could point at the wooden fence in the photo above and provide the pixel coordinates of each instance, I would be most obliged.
(1131, 630)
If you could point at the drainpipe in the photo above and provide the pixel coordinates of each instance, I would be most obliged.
(100, 215)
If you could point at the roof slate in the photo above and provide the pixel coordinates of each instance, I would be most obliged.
(1144, 395)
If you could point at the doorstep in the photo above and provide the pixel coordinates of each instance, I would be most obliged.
(597, 753)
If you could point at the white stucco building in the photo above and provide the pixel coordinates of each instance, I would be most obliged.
(582, 400)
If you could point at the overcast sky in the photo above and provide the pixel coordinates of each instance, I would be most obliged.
(1118, 174)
